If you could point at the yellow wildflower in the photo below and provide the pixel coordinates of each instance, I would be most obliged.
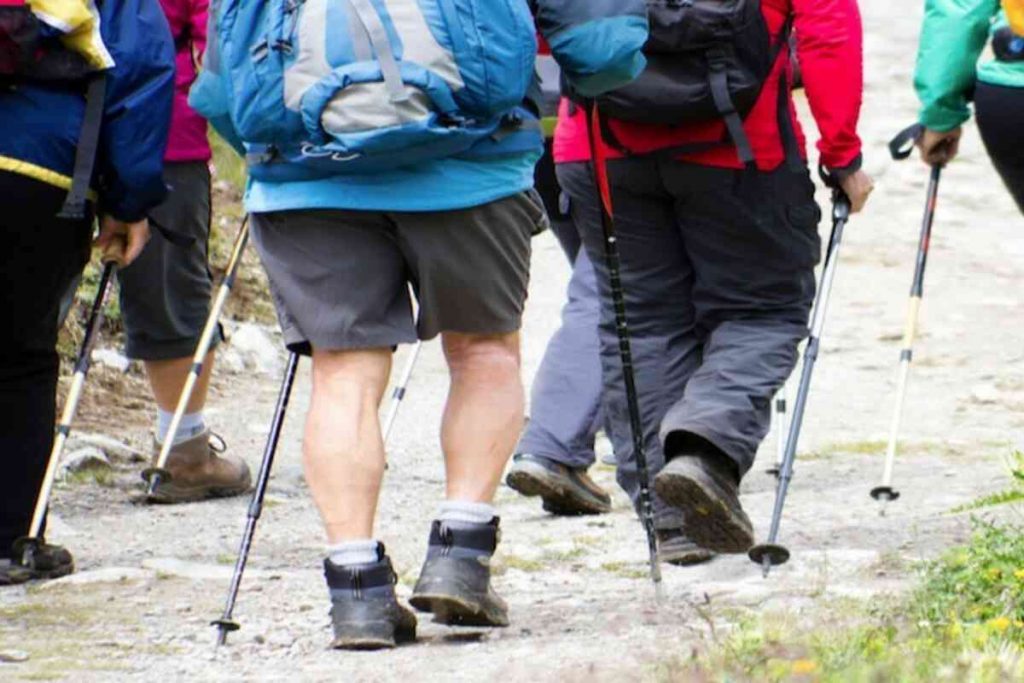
(999, 624)
(1019, 574)
(804, 667)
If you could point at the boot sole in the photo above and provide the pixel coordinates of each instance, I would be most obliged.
(562, 498)
(170, 495)
(379, 635)
(713, 519)
(456, 611)
(687, 558)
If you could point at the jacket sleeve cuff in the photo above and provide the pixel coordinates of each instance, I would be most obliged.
(840, 172)
(944, 119)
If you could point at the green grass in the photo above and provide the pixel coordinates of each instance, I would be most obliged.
(964, 622)
(1014, 493)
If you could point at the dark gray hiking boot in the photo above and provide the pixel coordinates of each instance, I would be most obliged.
(365, 613)
(564, 490)
(48, 562)
(455, 582)
(675, 548)
(199, 470)
(705, 487)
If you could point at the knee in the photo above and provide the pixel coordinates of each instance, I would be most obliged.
(473, 353)
(360, 374)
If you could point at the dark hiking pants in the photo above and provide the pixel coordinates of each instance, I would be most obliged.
(565, 400)
(998, 111)
(40, 257)
(718, 273)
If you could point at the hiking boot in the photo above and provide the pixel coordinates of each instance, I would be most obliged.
(365, 613)
(455, 582)
(705, 487)
(200, 470)
(48, 562)
(675, 548)
(564, 490)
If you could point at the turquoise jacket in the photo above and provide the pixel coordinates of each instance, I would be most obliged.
(953, 36)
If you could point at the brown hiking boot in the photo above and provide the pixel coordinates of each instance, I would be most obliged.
(48, 562)
(564, 490)
(200, 470)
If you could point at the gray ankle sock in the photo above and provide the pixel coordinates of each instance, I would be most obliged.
(466, 512)
(348, 553)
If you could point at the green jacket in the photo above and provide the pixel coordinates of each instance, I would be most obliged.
(953, 36)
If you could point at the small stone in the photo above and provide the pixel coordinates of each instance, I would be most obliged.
(112, 359)
(88, 458)
(13, 656)
(259, 640)
(112, 447)
(250, 347)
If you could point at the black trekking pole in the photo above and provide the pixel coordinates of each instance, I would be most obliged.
(611, 253)
(158, 471)
(226, 624)
(771, 552)
(900, 149)
(25, 547)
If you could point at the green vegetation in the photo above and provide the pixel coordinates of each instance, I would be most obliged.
(1012, 494)
(965, 622)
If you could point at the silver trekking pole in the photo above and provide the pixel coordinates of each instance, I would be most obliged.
(771, 552)
(158, 472)
(780, 424)
(399, 392)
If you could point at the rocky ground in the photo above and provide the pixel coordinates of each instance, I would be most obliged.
(151, 579)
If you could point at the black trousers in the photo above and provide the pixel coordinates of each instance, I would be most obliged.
(998, 110)
(40, 256)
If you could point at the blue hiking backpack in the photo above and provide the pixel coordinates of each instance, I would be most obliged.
(326, 87)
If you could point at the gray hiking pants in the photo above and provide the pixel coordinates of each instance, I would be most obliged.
(718, 272)
(565, 400)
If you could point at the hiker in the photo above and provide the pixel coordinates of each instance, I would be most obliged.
(717, 228)
(40, 124)
(948, 76)
(384, 160)
(165, 294)
(557, 446)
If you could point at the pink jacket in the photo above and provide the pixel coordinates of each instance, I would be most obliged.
(187, 19)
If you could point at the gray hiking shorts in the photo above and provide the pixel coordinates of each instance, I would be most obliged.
(340, 279)
(165, 293)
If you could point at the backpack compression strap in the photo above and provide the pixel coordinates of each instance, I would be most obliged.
(381, 43)
(88, 144)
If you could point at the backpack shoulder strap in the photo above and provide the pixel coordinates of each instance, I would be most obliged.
(88, 145)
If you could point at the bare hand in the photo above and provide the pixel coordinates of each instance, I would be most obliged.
(938, 149)
(122, 242)
(858, 186)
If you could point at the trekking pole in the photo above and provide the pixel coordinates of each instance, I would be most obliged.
(158, 472)
(885, 492)
(25, 547)
(611, 253)
(772, 553)
(399, 393)
(226, 624)
(779, 408)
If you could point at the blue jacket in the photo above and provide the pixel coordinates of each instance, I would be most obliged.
(598, 44)
(40, 125)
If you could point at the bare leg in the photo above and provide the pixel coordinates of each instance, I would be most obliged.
(343, 450)
(167, 378)
(484, 414)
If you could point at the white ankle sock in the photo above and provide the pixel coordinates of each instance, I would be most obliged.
(191, 425)
(348, 553)
(466, 511)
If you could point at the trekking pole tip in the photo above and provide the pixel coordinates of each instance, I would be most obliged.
(154, 476)
(224, 627)
(768, 555)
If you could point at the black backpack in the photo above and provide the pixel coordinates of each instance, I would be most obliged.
(27, 55)
(707, 60)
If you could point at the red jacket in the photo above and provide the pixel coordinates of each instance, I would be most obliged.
(187, 19)
(830, 50)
